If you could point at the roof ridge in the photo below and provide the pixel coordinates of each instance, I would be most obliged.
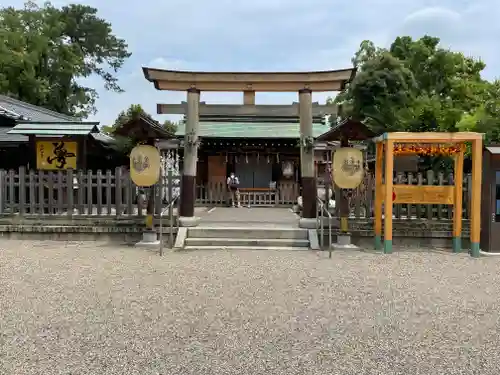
(11, 113)
(20, 103)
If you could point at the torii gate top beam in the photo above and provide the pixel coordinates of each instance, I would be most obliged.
(247, 110)
(173, 80)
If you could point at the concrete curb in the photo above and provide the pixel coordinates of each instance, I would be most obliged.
(488, 254)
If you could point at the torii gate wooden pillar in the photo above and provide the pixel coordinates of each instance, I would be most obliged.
(303, 83)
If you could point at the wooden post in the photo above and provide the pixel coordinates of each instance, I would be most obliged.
(22, 191)
(457, 201)
(118, 191)
(89, 193)
(188, 181)
(41, 192)
(32, 191)
(249, 97)
(150, 205)
(60, 192)
(70, 189)
(343, 201)
(378, 195)
(475, 219)
(389, 167)
(81, 192)
(109, 183)
(309, 191)
(99, 192)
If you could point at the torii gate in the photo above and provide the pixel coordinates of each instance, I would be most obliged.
(248, 83)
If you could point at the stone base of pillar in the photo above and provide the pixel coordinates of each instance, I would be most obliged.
(189, 221)
(149, 239)
(344, 242)
(308, 223)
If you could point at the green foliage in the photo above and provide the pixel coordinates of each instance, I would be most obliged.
(133, 113)
(45, 52)
(416, 85)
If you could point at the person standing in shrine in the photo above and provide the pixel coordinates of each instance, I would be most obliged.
(233, 184)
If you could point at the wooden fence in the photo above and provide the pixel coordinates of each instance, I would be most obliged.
(285, 193)
(77, 193)
(111, 193)
(362, 200)
(114, 194)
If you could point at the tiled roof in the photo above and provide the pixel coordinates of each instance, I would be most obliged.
(56, 129)
(354, 130)
(16, 138)
(251, 130)
(18, 110)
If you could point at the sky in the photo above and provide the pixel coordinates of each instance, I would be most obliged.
(275, 35)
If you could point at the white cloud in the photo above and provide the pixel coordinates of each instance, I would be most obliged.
(472, 28)
(276, 35)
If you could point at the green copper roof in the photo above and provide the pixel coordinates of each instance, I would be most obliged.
(55, 128)
(252, 130)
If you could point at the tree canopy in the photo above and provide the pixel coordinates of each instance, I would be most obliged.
(416, 85)
(134, 112)
(46, 51)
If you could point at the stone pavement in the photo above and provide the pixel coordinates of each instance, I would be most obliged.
(273, 217)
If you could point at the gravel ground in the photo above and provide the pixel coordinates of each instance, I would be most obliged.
(90, 308)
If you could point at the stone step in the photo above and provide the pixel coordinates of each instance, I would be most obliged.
(246, 242)
(248, 233)
(246, 248)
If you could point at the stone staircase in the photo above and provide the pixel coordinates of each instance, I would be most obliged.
(217, 238)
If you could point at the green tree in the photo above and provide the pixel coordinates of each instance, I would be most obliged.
(170, 127)
(135, 111)
(486, 117)
(415, 85)
(45, 52)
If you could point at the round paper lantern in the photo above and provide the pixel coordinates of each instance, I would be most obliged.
(348, 168)
(145, 165)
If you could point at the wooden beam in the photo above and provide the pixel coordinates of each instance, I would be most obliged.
(246, 110)
(257, 87)
(429, 137)
(422, 194)
(331, 80)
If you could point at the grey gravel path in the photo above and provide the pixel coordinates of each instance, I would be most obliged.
(69, 308)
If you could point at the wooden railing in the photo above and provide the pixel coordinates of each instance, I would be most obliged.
(362, 201)
(216, 193)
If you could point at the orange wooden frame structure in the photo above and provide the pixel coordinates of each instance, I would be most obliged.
(388, 192)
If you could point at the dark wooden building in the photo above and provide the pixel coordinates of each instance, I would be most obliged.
(263, 151)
